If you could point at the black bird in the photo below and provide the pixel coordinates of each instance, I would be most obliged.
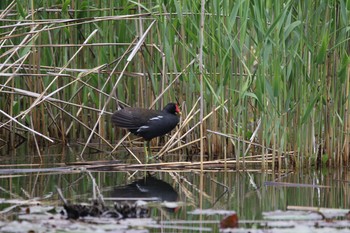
(147, 123)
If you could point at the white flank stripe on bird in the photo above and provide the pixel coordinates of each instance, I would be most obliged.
(156, 118)
(142, 127)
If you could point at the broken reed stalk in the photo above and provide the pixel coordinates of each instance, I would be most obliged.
(215, 164)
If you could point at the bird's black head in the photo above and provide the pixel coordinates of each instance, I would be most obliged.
(172, 108)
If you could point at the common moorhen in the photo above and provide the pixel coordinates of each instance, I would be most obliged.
(147, 123)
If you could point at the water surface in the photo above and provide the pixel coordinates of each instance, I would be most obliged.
(249, 193)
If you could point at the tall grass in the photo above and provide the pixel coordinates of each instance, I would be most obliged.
(276, 73)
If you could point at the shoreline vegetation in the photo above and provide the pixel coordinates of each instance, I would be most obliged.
(274, 79)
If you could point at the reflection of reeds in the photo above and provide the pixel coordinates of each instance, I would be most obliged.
(274, 78)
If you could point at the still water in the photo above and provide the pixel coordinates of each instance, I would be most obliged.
(249, 193)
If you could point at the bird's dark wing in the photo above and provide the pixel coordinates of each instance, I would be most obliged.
(133, 118)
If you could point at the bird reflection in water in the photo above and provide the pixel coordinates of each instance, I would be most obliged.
(148, 188)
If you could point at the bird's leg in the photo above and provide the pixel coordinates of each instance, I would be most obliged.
(145, 148)
(148, 151)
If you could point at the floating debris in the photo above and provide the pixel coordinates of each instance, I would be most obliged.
(230, 221)
(119, 210)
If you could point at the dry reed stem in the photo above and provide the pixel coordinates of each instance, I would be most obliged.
(122, 140)
(41, 98)
(24, 126)
(82, 124)
(184, 145)
(35, 140)
(173, 166)
(7, 10)
(239, 139)
(51, 99)
(67, 22)
(14, 50)
(171, 143)
(175, 79)
(184, 123)
(22, 60)
(106, 104)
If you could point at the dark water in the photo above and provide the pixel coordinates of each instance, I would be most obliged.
(249, 193)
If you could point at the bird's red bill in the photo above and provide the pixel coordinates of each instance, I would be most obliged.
(177, 109)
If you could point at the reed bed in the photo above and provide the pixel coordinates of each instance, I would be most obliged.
(260, 77)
